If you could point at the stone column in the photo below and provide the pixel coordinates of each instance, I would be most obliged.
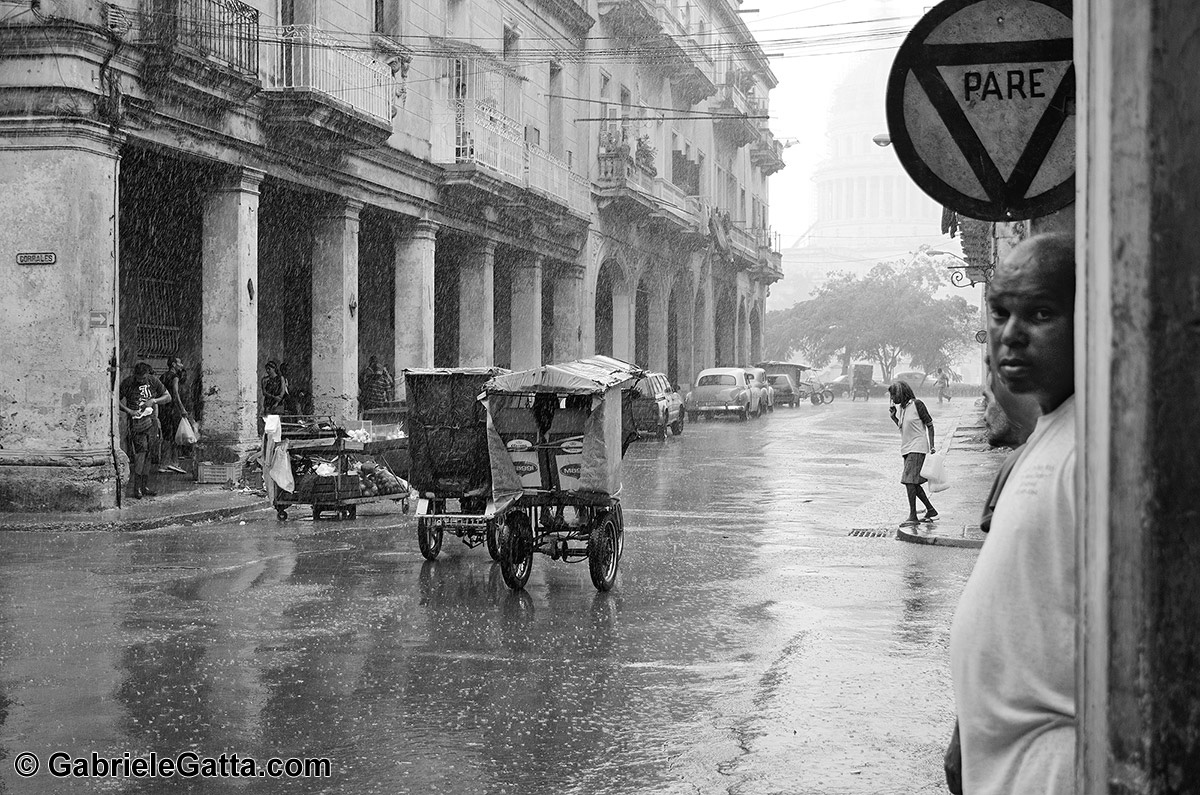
(624, 308)
(414, 245)
(526, 312)
(59, 314)
(229, 287)
(657, 328)
(568, 328)
(685, 339)
(476, 323)
(335, 310)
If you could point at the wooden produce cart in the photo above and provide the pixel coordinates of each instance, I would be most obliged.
(312, 443)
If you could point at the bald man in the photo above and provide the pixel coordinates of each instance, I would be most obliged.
(1012, 644)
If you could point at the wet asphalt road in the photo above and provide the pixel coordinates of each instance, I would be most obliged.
(750, 645)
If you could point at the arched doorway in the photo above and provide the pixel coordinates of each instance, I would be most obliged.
(610, 286)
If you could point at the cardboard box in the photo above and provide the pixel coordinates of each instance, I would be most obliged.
(566, 457)
(528, 463)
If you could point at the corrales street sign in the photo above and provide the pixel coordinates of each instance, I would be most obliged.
(980, 107)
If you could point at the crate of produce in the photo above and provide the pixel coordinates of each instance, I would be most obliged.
(332, 488)
(208, 472)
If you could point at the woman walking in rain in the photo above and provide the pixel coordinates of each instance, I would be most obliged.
(916, 441)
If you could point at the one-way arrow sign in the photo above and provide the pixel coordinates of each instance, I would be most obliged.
(980, 102)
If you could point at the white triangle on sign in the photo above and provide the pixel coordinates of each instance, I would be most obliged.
(1003, 103)
(935, 145)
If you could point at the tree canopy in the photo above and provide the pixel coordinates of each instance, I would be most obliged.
(890, 313)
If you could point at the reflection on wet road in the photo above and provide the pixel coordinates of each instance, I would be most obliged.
(750, 645)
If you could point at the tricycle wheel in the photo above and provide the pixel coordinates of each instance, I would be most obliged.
(429, 537)
(516, 549)
(604, 553)
(492, 542)
(815, 398)
(281, 514)
(827, 395)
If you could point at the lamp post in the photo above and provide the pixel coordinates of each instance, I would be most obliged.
(965, 275)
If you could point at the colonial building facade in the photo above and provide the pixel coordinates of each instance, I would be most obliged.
(433, 182)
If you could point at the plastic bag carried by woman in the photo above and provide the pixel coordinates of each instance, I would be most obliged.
(934, 471)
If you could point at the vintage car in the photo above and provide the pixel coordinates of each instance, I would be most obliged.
(758, 381)
(657, 406)
(785, 391)
(722, 390)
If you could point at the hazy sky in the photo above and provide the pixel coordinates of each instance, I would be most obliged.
(807, 74)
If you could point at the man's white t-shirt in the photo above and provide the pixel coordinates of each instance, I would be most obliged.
(1012, 644)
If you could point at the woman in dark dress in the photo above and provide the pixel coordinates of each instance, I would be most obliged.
(274, 390)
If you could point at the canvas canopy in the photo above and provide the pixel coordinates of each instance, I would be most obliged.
(559, 428)
(447, 430)
(593, 375)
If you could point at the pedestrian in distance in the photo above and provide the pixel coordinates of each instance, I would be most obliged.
(916, 441)
(173, 412)
(140, 395)
(274, 389)
(942, 379)
(1012, 642)
(377, 385)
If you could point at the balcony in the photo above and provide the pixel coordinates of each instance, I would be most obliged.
(658, 35)
(324, 93)
(484, 152)
(770, 256)
(204, 52)
(733, 109)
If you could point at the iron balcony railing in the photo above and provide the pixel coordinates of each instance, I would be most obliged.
(225, 30)
(307, 59)
(485, 137)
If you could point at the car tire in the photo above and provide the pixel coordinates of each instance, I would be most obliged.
(744, 414)
(677, 426)
(661, 431)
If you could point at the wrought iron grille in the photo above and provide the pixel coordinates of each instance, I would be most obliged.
(226, 30)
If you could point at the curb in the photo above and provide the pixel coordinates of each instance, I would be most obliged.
(135, 525)
(938, 540)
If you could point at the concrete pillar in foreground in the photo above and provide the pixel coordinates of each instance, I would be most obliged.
(568, 319)
(526, 312)
(59, 429)
(335, 310)
(230, 290)
(415, 245)
(1138, 297)
(476, 321)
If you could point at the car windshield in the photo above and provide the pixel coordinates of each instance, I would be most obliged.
(716, 380)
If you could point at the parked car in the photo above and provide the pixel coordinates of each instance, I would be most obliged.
(914, 378)
(758, 381)
(657, 406)
(841, 387)
(785, 391)
(722, 390)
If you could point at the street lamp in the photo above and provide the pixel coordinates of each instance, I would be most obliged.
(965, 275)
(883, 139)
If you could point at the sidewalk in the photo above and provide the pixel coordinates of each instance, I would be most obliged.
(179, 501)
(972, 465)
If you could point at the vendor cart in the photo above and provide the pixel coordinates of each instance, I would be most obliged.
(556, 437)
(448, 451)
(325, 468)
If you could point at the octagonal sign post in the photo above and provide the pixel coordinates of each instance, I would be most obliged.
(980, 107)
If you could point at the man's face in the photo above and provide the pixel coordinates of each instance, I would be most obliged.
(1031, 327)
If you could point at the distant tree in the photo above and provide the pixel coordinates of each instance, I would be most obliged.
(891, 313)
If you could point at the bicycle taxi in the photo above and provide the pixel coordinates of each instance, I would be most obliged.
(556, 437)
(448, 452)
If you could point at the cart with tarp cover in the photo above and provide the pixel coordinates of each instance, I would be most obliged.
(556, 437)
(448, 457)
